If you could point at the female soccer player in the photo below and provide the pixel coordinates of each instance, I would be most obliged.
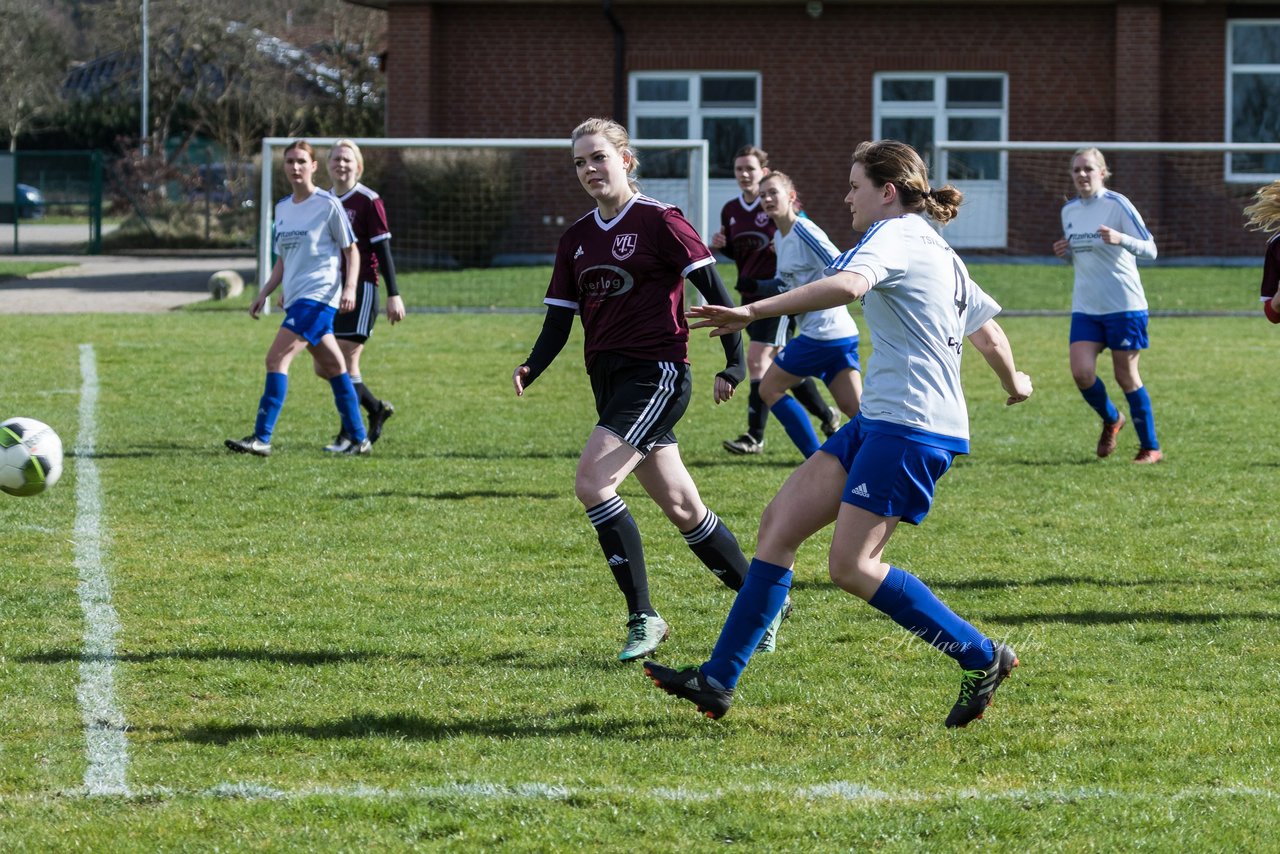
(622, 268)
(373, 239)
(827, 343)
(746, 236)
(1103, 235)
(881, 467)
(311, 233)
(1264, 215)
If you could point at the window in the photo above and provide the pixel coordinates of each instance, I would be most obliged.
(1253, 97)
(921, 108)
(721, 107)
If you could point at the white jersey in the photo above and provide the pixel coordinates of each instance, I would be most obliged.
(1106, 274)
(921, 306)
(309, 238)
(803, 257)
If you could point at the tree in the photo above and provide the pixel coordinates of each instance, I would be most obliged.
(32, 63)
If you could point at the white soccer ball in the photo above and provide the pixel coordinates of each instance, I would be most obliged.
(225, 284)
(30, 456)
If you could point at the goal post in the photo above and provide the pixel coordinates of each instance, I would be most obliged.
(455, 203)
(1190, 194)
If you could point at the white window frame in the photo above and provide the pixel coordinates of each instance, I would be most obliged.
(1232, 176)
(939, 112)
(691, 108)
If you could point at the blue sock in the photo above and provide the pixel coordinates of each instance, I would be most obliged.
(269, 406)
(792, 416)
(757, 603)
(348, 403)
(1144, 421)
(1097, 398)
(912, 605)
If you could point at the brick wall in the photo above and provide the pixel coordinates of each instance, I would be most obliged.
(1087, 72)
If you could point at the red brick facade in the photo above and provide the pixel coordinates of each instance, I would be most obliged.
(1140, 71)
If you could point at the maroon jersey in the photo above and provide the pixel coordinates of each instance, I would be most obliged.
(625, 277)
(748, 234)
(368, 220)
(1271, 268)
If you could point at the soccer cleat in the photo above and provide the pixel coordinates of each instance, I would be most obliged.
(769, 642)
(978, 687)
(1107, 441)
(358, 449)
(744, 444)
(644, 633)
(688, 683)
(831, 423)
(340, 444)
(249, 445)
(1148, 456)
(377, 419)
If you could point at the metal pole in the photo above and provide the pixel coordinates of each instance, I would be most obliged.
(146, 76)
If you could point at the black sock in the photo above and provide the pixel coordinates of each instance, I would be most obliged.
(717, 547)
(757, 412)
(810, 398)
(620, 540)
(370, 403)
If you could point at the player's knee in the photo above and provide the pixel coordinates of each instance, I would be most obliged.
(853, 575)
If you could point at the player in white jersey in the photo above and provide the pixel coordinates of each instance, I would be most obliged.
(1103, 236)
(311, 232)
(827, 344)
(880, 468)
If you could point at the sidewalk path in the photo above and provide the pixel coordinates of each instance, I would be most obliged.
(117, 283)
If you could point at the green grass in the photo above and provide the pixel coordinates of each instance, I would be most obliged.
(415, 650)
(1026, 287)
(22, 269)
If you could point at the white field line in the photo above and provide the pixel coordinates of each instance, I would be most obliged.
(104, 726)
(835, 791)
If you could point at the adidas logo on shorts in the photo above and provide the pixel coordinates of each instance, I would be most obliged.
(861, 491)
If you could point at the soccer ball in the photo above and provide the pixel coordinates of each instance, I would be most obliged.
(30, 456)
(225, 284)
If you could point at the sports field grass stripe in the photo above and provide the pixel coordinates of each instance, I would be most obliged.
(105, 746)
(841, 791)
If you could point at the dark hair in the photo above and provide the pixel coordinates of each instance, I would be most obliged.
(752, 151)
(888, 161)
(302, 145)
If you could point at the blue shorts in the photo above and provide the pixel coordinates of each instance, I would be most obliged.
(1124, 330)
(888, 475)
(309, 319)
(808, 357)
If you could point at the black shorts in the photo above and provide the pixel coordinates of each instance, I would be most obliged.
(357, 325)
(640, 401)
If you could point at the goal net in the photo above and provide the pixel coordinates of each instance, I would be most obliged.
(1191, 195)
(456, 204)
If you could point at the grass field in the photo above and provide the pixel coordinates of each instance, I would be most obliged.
(201, 651)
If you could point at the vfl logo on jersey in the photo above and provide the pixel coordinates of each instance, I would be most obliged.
(624, 246)
(762, 219)
(604, 281)
(351, 215)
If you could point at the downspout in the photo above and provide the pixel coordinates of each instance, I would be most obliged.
(619, 64)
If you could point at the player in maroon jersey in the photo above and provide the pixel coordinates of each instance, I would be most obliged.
(622, 268)
(746, 236)
(1264, 215)
(368, 220)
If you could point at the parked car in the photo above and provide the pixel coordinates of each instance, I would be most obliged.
(30, 204)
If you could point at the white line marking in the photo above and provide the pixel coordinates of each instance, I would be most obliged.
(836, 790)
(104, 725)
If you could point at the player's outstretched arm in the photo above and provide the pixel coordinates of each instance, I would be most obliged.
(993, 344)
(707, 280)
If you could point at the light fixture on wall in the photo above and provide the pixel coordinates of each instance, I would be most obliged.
(814, 8)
